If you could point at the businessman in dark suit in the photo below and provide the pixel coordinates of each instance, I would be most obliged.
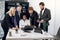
(33, 16)
(45, 16)
(18, 14)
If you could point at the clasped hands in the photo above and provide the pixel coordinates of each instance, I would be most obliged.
(40, 21)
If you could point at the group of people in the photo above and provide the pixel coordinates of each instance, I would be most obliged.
(15, 18)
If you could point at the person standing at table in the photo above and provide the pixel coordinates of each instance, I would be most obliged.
(18, 13)
(33, 16)
(9, 22)
(45, 16)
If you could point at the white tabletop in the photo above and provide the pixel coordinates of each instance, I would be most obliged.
(22, 34)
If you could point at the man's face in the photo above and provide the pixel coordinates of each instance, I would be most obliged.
(41, 7)
(19, 9)
(30, 11)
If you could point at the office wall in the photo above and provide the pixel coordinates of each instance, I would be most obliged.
(2, 9)
(57, 17)
(54, 6)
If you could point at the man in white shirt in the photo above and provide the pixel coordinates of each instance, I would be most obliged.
(24, 22)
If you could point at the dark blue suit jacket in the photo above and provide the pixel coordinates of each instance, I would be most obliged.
(18, 17)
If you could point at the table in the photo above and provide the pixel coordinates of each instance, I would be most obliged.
(21, 35)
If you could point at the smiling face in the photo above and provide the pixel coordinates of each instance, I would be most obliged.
(12, 10)
(30, 11)
(19, 8)
(24, 17)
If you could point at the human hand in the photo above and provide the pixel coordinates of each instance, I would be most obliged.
(14, 28)
(38, 21)
(41, 21)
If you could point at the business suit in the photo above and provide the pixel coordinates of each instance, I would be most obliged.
(46, 16)
(18, 17)
(6, 24)
(33, 18)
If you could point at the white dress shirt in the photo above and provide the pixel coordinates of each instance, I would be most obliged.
(23, 23)
(43, 11)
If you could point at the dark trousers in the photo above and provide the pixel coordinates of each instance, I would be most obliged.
(41, 26)
(5, 29)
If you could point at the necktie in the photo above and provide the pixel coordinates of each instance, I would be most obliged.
(41, 12)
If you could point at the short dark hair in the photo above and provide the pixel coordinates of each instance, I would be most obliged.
(30, 8)
(41, 3)
(24, 14)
